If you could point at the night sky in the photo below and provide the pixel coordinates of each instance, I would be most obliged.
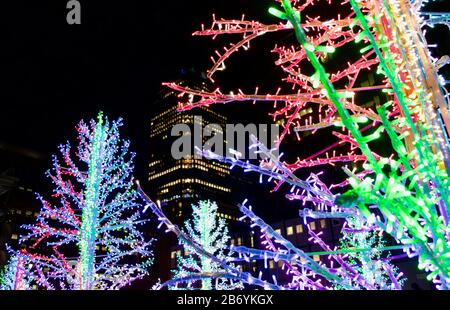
(54, 74)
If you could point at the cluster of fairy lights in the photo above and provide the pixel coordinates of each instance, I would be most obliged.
(410, 188)
(96, 211)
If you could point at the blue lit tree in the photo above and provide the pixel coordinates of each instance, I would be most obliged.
(88, 237)
(211, 233)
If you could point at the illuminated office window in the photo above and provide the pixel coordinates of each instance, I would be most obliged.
(299, 228)
(290, 230)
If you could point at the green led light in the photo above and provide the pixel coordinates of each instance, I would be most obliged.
(277, 13)
(325, 49)
(360, 36)
(361, 119)
(365, 49)
(309, 47)
(346, 94)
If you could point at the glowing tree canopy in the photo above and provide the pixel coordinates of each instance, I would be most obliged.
(15, 275)
(377, 270)
(211, 233)
(404, 194)
(87, 237)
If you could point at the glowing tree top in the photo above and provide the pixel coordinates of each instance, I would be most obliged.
(88, 237)
(406, 193)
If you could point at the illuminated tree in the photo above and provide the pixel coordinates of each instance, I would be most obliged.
(229, 270)
(15, 275)
(211, 233)
(89, 237)
(405, 194)
(375, 269)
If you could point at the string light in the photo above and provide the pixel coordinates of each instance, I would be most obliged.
(410, 188)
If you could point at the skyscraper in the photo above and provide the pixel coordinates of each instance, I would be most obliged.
(176, 183)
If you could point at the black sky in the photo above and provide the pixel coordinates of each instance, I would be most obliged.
(54, 74)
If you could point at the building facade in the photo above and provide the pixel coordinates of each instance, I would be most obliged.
(19, 175)
(178, 182)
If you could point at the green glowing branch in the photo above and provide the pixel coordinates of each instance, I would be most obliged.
(401, 208)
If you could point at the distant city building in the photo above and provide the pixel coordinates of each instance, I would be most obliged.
(19, 174)
(296, 232)
(176, 183)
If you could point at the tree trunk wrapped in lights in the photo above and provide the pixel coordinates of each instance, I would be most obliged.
(89, 238)
(405, 194)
